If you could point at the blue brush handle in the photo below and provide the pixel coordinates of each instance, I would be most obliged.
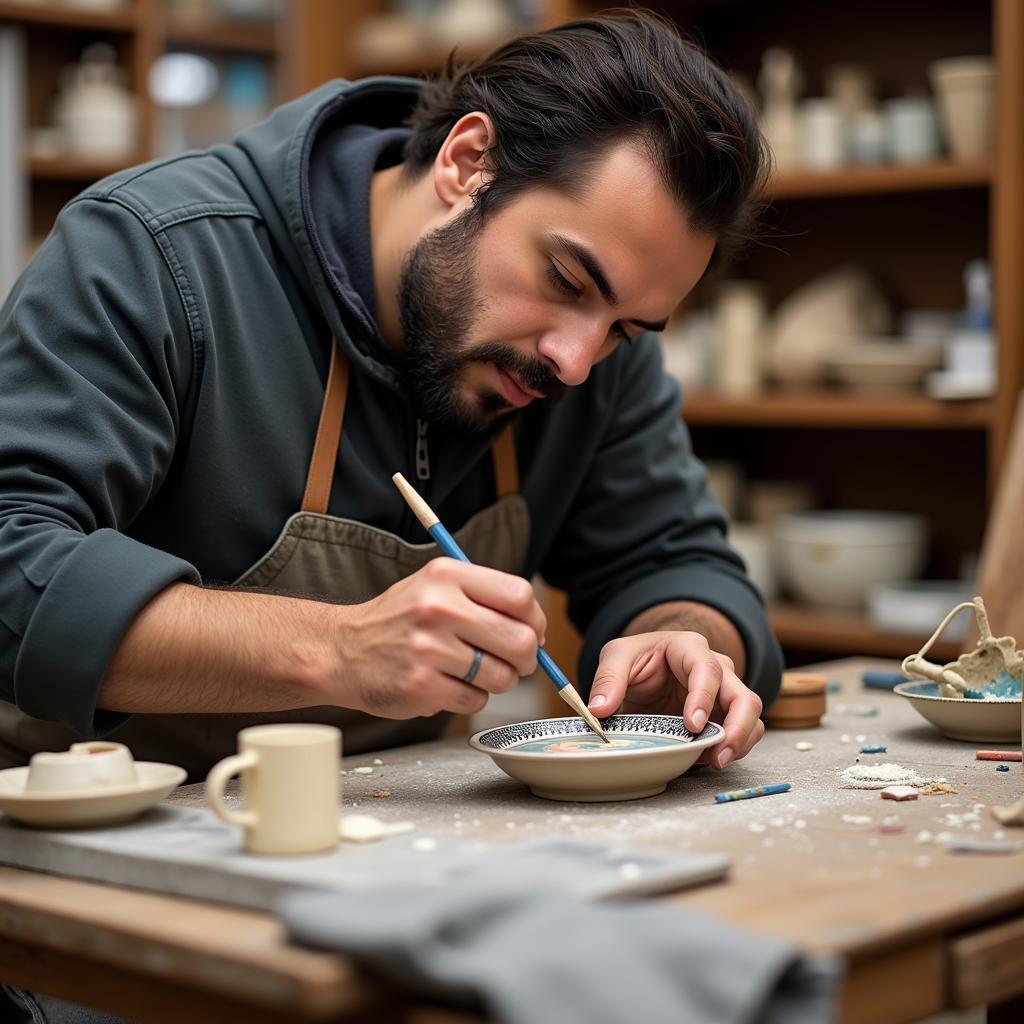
(446, 542)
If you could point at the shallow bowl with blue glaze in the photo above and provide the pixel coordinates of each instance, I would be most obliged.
(660, 748)
(961, 718)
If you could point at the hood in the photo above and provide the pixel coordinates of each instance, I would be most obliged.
(272, 160)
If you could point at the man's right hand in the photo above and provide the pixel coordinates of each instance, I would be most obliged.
(405, 653)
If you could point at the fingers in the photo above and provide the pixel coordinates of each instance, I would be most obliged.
(502, 592)
(484, 608)
(742, 723)
(690, 659)
(616, 669)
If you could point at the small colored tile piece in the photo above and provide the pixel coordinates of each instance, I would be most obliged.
(873, 750)
(1002, 767)
(899, 793)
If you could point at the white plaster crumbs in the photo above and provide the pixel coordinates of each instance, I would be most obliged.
(922, 861)
(845, 738)
(857, 819)
(878, 776)
(924, 836)
(377, 760)
(365, 770)
(756, 826)
(425, 844)
(804, 745)
(630, 871)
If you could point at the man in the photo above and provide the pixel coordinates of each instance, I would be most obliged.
(215, 364)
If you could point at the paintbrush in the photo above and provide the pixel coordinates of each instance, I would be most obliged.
(446, 542)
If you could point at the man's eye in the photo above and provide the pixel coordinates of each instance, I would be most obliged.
(563, 284)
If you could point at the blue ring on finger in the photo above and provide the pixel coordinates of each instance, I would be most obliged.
(478, 656)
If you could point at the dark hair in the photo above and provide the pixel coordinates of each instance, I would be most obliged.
(559, 98)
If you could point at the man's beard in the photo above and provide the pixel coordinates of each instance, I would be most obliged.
(439, 304)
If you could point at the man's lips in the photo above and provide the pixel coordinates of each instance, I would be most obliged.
(514, 391)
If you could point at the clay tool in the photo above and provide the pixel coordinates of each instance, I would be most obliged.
(446, 542)
(997, 755)
(747, 794)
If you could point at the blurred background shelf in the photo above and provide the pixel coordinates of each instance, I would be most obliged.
(222, 34)
(854, 181)
(66, 16)
(811, 629)
(823, 408)
(82, 170)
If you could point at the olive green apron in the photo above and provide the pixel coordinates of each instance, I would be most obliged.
(316, 555)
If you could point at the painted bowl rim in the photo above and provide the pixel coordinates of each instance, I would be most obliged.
(711, 734)
(903, 689)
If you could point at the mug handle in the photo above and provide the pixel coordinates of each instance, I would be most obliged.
(217, 780)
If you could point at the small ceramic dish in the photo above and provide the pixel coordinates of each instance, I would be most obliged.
(960, 718)
(561, 759)
(83, 808)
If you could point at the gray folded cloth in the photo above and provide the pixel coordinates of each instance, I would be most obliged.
(546, 956)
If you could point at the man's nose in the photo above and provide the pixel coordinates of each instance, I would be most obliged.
(573, 349)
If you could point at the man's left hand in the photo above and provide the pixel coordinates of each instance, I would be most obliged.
(672, 673)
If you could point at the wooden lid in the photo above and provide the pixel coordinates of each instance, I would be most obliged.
(802, 684)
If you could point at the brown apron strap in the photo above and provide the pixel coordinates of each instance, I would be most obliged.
(328, 435)
(506, 469)
(328, 438)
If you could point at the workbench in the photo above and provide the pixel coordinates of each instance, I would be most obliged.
(922, 929)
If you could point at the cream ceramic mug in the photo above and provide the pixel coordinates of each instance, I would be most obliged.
(291, 785)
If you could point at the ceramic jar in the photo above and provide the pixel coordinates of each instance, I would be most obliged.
(96, 112)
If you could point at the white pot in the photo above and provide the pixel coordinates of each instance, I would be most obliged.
(833, 559)
(965, 87)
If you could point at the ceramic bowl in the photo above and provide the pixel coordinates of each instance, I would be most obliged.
(833, 559)
(975, 721)
(561, 759)
(884, 365)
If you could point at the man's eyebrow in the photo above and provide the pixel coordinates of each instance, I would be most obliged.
(590, 263)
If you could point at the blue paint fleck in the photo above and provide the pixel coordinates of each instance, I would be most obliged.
(1002, 767)
(874, 750)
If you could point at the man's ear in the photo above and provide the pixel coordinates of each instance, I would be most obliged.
(460, 165)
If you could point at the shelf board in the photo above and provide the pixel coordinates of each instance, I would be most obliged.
(61, 15)
(852, 181)
(824, 408)
(234, 34)
(816, 629)
(413, 63)
(74, 168)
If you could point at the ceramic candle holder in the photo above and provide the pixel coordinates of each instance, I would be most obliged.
(96, 764)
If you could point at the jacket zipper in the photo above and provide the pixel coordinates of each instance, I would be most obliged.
(422, 451)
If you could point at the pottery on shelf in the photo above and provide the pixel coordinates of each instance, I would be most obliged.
(965, 87)
(821, 318)
(561, 759)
